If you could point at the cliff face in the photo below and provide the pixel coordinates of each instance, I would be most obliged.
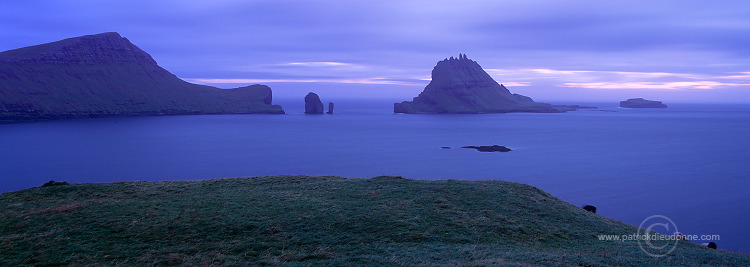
(460, 85)
(106, 75)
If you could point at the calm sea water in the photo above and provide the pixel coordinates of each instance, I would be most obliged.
(689, 162)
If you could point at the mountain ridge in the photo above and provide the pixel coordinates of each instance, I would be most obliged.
(106, 75)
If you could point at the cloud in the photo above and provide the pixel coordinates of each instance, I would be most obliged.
(588, 74)
(516, 84)
(320, 64)
(315, 71)
(545, 43)
(593, 79)
(256, 81)
(739, 75)
(654, 85)
(310, 68)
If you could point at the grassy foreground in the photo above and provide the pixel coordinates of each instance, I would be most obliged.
(303, 220)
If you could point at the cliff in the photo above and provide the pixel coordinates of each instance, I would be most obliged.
(460, 85)
(641, 103)
(106, 75)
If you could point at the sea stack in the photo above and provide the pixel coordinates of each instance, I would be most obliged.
(460, 85)
(641, 103)
(330, 108)
(313, 105)
(106, 75)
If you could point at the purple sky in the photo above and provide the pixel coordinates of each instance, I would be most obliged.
(557, 51)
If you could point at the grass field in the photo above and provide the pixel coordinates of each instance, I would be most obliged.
(312, 221)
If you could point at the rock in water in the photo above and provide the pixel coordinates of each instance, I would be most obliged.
(106, 75)
(313, 105)
(460, 85)
(330, 108)
(492, 148)
(641, 103)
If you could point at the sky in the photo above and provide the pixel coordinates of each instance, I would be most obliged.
(555, 51)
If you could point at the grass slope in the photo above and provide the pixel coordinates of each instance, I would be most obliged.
(303, 220)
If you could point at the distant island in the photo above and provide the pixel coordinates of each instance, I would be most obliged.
(641, 103)
(106, 75)
(460, 85)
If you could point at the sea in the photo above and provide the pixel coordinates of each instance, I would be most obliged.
(689, 163)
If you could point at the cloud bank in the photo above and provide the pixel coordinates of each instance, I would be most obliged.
(576, 46)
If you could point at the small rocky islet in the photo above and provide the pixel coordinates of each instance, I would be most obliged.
(492, 148)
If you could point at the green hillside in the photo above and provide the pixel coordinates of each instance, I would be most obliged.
(303, 220)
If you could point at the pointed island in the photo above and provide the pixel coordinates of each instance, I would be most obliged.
(460, 85)
(106, 75)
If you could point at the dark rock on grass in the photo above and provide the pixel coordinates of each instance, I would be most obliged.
(712, 245)
(53, 183)
(492, 148)
(590, 208)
